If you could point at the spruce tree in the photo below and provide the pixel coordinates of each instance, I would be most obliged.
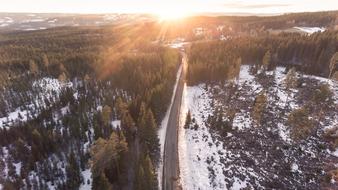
(150, 135)
(73, 173)
(266, 60)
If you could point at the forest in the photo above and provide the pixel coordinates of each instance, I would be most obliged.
(314, 54)
(87, 99)
(81, 106)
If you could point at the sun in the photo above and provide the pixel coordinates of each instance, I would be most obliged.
(171, 12)
(171, 15)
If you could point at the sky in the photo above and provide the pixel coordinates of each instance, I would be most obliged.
(172, 6)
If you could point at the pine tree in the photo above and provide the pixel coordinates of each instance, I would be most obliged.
(106, 154)
(128, 126)
(141, 121)
(62, 77)
(333, 64)
(291, 78)
(150, 135)
(101, 182)
(73, 173)
(121, 107)
(140, 179)
(266, 62)
(322, 95)
(106, 114)
(187, 120)
(301, 125)
(149, 175)
(335, 76)
(290, 82)
(106, 117)
(259, 107)
(33, 67)
(45, 62)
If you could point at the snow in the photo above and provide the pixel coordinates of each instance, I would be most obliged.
(216, 168)
(4, 158)
(33, 20)
(194, 172)
(48, 88)
(116, 124)
(178, 43)
(14, 116)
(50, 186)
(110, 17)
(284, 133)
(310, 30)
(330, 82)
(6, 21)
(294, 168)
(198, 31)
(246, 78)
(99, 108)
(282, 93)
(65, 110)
(238, 184)
(52, 21)
(17, 168)
(87, 176)
(335, 153)
(163, 129)
(48, 84)
(242, 121)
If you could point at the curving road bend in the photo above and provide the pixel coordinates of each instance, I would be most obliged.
(170, 176)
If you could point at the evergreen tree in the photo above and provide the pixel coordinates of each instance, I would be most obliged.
(291, 79)
(33, 67)
(150, 135)
(140, 179)
(106, 155)
(187, 120)
(128, 126)
(101, 182)
(106, 114)
(73, 173)
(333, 64)
(290, 82)
(266, 62)
(259, 107)
(149, 175)
(301, 125)
(106, 117)
(45, 62)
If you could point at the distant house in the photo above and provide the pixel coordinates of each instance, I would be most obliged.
(220, 28)
(199, 31)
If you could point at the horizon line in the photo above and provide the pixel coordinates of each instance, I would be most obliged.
(216, 13)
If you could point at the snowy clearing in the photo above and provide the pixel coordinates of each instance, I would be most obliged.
(310, 30)
(87, 180)
(250, 156)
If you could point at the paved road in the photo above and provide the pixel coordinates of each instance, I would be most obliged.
(170, 156)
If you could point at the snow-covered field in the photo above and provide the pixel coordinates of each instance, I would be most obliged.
(196, 146)
(49, 88)
(310, 30)
(249, 156)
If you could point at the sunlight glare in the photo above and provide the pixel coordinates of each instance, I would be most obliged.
(172, 12)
